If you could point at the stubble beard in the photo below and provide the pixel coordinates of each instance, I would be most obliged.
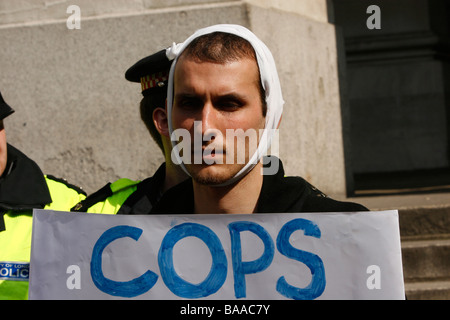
(213, 175)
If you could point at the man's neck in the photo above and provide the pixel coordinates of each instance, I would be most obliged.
(174, 175)
(240, 197)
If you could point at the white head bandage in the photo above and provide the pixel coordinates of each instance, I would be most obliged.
(269, 81)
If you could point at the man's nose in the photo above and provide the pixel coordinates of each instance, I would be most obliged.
(208, 117)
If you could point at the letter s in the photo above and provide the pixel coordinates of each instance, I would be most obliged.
(312, 261)
(127, 289)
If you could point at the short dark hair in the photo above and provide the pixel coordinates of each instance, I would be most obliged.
(148, 104)
(221, 47)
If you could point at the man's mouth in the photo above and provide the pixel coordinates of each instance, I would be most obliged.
(208, 153)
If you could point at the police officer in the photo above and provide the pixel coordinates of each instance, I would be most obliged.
(23, 187)
(126, 196)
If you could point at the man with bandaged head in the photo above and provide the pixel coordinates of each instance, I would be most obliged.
(223, 80)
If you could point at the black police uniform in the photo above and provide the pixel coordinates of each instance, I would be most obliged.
(279, 194)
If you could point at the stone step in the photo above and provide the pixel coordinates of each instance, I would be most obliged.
(421, 216)
(425, 236)
(428, 222)
(428, 290)
(426, 259)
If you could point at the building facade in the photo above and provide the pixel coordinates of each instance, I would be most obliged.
(363, 104)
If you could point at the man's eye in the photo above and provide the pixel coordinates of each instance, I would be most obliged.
(188, 103)
(230, 105)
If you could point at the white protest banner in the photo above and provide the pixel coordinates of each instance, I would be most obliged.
(258, 256)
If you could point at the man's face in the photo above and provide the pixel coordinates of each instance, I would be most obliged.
(3, 150)
(221, 96)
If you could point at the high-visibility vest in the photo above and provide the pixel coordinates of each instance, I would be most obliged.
(121, 196)
(15, 241)
(109, 199)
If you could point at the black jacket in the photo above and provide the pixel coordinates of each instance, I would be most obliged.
(22, 185)
(278, 194)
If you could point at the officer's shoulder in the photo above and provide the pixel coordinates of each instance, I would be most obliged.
(318, 201)
(326, 204)
(123, 184)
(121, 187)
(62, 183)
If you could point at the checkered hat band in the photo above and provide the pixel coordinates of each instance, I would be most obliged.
(152, 81)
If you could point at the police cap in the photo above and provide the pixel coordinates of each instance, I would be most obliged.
(152, 72)
(5, 109)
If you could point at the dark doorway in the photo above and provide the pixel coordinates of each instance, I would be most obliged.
(397, 81)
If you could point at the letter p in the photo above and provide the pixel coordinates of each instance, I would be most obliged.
(240, 268)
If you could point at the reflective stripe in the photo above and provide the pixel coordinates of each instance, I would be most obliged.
(14, 271)
(121, 189)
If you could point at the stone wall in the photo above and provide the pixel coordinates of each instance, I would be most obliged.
(78, 118)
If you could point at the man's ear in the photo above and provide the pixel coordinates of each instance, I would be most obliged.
(160, 121)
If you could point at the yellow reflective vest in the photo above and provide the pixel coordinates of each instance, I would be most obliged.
(126, 196)
(111, 197)
(22, 188)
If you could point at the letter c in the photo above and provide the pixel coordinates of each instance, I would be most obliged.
(127, 289)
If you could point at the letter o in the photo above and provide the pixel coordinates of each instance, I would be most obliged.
(217, 275)
(2, 272)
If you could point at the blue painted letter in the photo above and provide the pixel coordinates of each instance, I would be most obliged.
(314, 263)
(175, 283)
(240, 268)
(126, 289)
